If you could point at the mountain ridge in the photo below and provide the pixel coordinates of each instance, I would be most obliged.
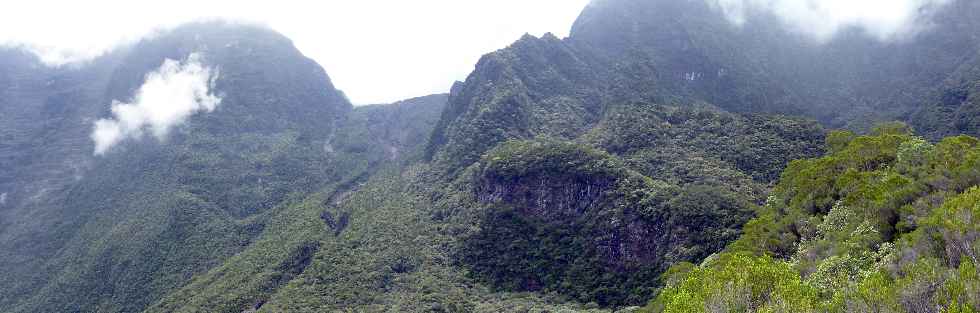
(584, 174)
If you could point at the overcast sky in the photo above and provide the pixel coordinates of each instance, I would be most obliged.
(376, 51)
(380, 51)
(884, 19)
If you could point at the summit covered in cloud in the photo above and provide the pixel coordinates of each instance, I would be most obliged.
(883, 19)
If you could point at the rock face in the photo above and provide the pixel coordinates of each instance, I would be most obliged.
(561, 214)
(598, 227)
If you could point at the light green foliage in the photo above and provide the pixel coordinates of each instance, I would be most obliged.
(959, 293)
(958, 224)
(738, 283)
(838, 140)
(840, 271)
(884, 223)
(912, 154)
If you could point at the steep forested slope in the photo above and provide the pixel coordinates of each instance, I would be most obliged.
(884, 223)
(117, 232)
(671, 49)
(711, 164)
(46, 150)
(954, 107)
(687, 51)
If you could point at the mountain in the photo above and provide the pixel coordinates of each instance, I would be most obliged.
(953, 107)
(116, 232)
(675, 90)
(691, 50)
(46, 151)
(687, 51)
(660, 156)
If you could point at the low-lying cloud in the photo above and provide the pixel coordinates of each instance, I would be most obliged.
(883, 19)
(170, 95)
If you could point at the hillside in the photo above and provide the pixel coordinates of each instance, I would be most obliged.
(661, 158)
(116, 232)
(883, 222)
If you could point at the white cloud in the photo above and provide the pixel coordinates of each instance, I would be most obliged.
(169, 96)
(884, 19)
(374, 50)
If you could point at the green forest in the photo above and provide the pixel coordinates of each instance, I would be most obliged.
(658, 159)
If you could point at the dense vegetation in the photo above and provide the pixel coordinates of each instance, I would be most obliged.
(599, 227)
(659, 155)
(699, 144)
(663, 50)
(116, 233)
(569, 219)
(883, 223)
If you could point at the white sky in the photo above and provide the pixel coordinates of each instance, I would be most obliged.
(376, 51)
(380, 51)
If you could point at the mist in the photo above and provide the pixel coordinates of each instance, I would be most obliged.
(822, 19)
(376, 51)
(168, 97)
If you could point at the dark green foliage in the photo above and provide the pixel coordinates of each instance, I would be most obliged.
(546, 202)
(116, 233)
(569, 219)
(208, 208)
(704, 219)
(534, 87)
(514, 160)
(954, 107)
(300, 231)
(752, 144)
(575, 174)
(662, 50)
